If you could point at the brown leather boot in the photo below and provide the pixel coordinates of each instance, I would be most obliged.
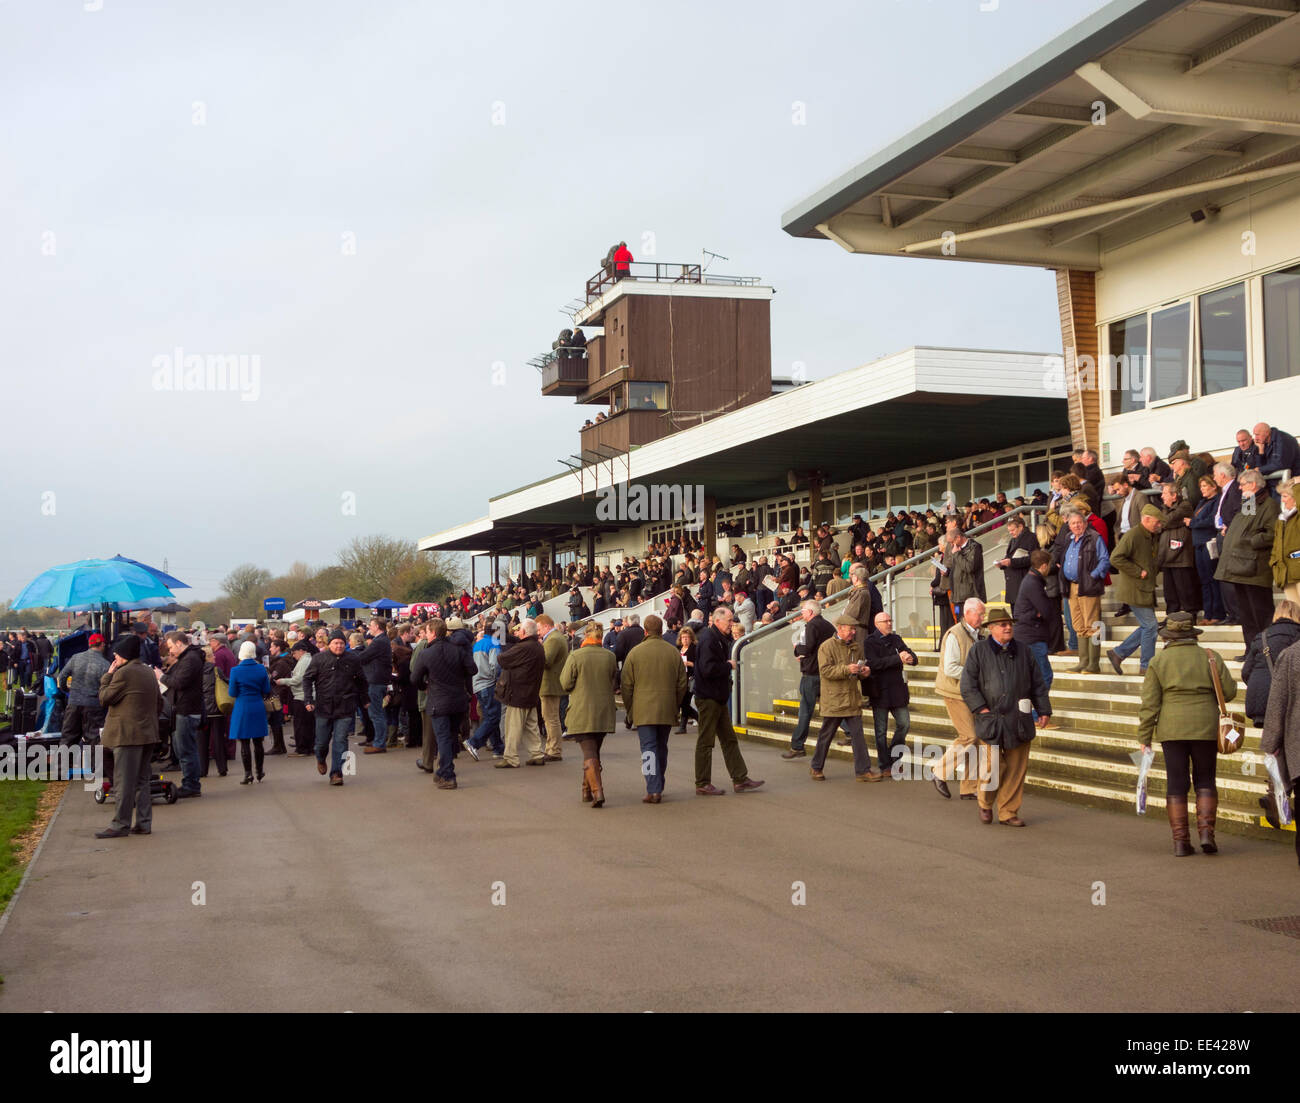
(591, 770)
(586, 785)
(1177, 809)
(1207, 810)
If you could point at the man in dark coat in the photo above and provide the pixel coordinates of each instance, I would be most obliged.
(183, 680)
(523, 664)
(1015, 561)
(1036, 614)
(376, 661)
(334, 688)
(814, 632)
(712, 698)
(1001, 685)
(441, 669)
(1278, 451)
(631, 635)
(886, 654)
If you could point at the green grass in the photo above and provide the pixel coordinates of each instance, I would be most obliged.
(17, 811)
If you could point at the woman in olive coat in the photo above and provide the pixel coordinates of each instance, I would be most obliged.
(588, 678)
(249, 686)
(1181, 710)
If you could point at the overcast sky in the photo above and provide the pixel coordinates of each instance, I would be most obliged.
(380, 201)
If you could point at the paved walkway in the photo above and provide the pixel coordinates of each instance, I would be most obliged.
(378, 896)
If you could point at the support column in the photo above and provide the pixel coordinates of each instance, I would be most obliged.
(591, 548)
(1077, 297)
(472, 584)
(496, 568)
(709, 537)
(814, 506)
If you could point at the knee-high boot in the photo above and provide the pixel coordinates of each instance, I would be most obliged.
(1207, 810)
(1094, 655)
(259, 752)
(1082, 668)
(586, 781)
(246, 754)
(1177, 809)
(591, 769)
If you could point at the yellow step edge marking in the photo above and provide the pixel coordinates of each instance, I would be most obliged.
(1288, 827)
(739, 731)
(792, 704)
(759, 716)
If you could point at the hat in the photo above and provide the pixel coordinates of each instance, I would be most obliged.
(616, 623)
(998, 614)
(1152, 511)
(1179, 626)
(140, 628)
(337, 634)
(1181, 454)
(453, 623)
(128, 648)
(95, 638)
(301, 644)
(1178, 445)
(845, 619)
(247, 650)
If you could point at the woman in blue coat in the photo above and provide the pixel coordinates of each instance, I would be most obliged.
(249, 686)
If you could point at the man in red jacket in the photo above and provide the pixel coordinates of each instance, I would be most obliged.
(622, 261)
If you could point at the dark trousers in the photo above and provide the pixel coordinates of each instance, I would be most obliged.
(185, 746)
(853, 726)
(654, 754)
(1255, 604)
(304, 728)
(446, 729)
(810, 687)
(887, 750)
(275, 724)
(1201, 755)
(81, 723)
(212, 744)
(255, 756)
(715, 727)
(688, 713)
(1182, 587)
(1211, 594)
(132, 770)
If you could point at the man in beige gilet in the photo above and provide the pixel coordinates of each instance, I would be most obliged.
(953, 649)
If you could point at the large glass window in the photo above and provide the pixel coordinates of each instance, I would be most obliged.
(1223, 339)
(961, 490)
(647, 396)
(1171, 353)
(1128, 359)
(984, 486)
(1282, 324)
(1037, 476)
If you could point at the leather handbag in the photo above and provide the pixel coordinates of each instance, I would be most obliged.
(225, 703)
(1230, 739)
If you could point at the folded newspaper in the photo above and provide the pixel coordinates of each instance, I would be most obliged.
(1148, 756)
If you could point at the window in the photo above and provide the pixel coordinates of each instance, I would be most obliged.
(1128, 357)
(961, 489)
(983, 487)
(1223, 339)
(1282, 324)
(877, 505)
(1171, 353)
(647, 396)
(1037, 476)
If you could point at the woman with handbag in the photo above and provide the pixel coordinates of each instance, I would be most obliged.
(250, 689)
(1184, 694)
(212, 733)
(1281, 735)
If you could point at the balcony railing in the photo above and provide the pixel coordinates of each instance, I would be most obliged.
(654, 272)
(564, 366)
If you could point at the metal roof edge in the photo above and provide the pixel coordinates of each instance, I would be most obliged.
(1093, 36)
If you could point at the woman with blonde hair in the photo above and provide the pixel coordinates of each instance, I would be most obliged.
(1285, 557)
(686, 644)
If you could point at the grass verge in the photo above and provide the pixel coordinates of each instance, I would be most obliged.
(25, 809)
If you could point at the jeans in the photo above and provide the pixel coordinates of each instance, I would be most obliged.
(445, 729)
(885, 749)
(489, 731)
(332, 732)
(654, 754)
(809, 690)
(1073, 636)
(186, 747)
(1040, 652)
(377, 716)
(1211, 596)
(1144, 634)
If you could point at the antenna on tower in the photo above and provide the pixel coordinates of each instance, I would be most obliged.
(711, 257)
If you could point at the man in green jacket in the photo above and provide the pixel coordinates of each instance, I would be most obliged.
(129, 691)
(588, 678)
(1134, 558)
(842, 667)
(653, 683)
(555, 646)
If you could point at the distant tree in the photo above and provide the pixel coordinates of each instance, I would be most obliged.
(245, 583)
(374, 563)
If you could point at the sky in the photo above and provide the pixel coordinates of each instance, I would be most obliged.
(383, 207)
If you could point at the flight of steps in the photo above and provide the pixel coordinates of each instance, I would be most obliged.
(1088, 756)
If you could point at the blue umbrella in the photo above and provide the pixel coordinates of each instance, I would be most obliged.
(91, 582)
(345, 603)
(161, 576)
(388, 603)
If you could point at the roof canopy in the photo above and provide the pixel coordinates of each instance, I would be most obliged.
(1129, 121)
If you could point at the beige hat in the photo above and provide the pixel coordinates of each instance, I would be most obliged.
(998, 614)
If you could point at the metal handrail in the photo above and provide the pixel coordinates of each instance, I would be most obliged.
(843, 595)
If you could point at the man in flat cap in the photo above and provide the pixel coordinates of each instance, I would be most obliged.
(129, 691)
(841, 668)
(1134, 558)
(1002, 685)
